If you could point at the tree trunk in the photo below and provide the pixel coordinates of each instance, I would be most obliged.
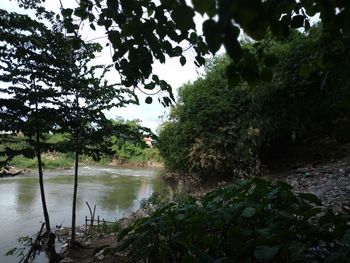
(75, 196)
(41, 181)
(50, 237)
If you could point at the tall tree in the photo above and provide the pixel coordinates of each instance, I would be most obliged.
(86, 95)
(29, 68)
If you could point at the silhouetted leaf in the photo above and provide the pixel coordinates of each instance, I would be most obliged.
(204, 6)
(182, 60)
(297, 21)
(212, 35)
(183, 17)
(67, 12)
(149, 100)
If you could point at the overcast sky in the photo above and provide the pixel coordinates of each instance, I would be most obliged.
(171, 71)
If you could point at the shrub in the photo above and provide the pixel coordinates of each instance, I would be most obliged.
(254, 221)
(224, 126)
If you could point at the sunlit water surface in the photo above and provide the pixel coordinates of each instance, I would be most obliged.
(116, 192)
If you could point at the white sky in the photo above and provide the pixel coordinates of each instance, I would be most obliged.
(172, 71)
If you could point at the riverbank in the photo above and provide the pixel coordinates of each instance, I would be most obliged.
(56, 160)
(12, 171)
(9, 172)
(329, 181)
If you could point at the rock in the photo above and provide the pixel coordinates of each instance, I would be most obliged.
(9, 171)
(330, 181)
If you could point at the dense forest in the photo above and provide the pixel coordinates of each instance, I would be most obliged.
(280, 91)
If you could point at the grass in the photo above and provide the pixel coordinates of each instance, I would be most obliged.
(109, 227)
(50, 161)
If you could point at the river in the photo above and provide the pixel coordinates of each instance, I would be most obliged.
(116, 192)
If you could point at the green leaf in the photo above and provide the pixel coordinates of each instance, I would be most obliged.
(150, 12)
(311, 198)
(149, 100)
(182, 60)
(183, 17)
(248, 212)
(266, 253)
(11, 252)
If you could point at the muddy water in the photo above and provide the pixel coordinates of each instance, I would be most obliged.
(116, 193)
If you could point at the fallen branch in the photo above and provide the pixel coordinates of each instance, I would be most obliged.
(92, 216)
(35, 244)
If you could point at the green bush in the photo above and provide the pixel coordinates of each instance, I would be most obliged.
(109, 227)
(254, 221)
(222, 125)
(50, 161)
(21, 162)
(212, 129)
(130, 146)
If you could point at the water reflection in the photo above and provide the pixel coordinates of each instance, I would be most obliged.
(119, 192)
(116, 192)
(26, 193)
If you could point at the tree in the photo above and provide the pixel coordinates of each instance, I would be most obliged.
(127, 140)
(217, 128)
(29, 67)
(207, 131)
(86, 96)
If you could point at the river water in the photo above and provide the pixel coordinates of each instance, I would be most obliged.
(116, 192)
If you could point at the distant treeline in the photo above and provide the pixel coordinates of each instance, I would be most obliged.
(127, 147)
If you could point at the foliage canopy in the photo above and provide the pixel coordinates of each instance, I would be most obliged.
(143, 32)
(223, 125)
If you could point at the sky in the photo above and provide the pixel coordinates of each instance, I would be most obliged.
(150, 115)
